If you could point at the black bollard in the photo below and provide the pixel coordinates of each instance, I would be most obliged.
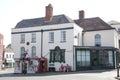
(117, 71)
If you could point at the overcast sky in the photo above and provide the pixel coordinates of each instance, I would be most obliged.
(13, 11)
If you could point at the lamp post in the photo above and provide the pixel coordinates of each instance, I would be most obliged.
(118, 65)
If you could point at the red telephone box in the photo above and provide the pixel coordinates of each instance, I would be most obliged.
(42, 65)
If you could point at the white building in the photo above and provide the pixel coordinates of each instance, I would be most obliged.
(100, 41)
(47, 43)
(8, 58)
(115, 25)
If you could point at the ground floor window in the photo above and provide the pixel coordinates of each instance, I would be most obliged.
(57, 55)
(83, 58)
(94, 59)
(17, 65)
(105, 58)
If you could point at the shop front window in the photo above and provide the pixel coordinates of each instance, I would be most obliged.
(57, 55)
(17, 65)
(83, 58)
(105, 58)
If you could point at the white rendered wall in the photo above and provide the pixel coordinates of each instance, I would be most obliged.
(117, 27)
(77, 35)
(68, 45)
(108, 38)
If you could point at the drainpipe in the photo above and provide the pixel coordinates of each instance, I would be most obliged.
(74, 59)
(41, 43)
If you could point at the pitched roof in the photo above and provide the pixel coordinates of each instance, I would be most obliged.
(91, 24)
(58, 19)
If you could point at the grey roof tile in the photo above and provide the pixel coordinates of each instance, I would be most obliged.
(91, 24)
(59, 19)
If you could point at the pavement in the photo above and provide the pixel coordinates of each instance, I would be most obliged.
(84, 75)
(6, 72)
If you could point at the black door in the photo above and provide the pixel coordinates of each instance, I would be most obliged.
(94, 58)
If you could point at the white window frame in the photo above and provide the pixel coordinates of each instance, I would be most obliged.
(33, 52)
(51, 37)
(63, 36)
(33, 39)
(22, 38)
(97, 40)
(22, 52)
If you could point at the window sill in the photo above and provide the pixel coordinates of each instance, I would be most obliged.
(56, 61)
(98, 45)
(62, 41)
(50, 42)
(33, 42)
(22, 42)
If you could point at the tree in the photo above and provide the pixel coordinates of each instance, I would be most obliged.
(8, 46)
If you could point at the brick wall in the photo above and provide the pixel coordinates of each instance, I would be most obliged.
(1, 52)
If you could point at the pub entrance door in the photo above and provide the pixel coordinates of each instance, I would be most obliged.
(42, 65)
(94, 58)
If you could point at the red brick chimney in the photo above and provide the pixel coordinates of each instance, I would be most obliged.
(81, 14)
(49, 12)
